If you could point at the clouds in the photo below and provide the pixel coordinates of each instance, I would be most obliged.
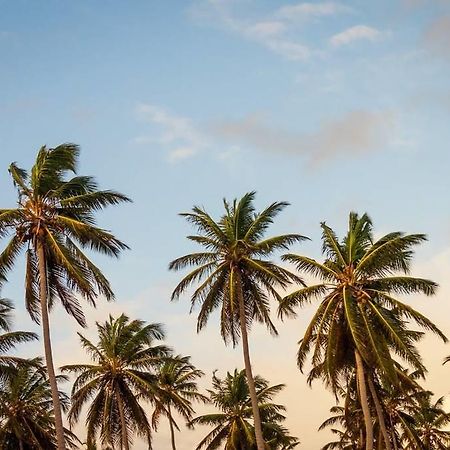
(354, 133)
(303, 11)
(282, 31)
(177, 135)
(356, 33)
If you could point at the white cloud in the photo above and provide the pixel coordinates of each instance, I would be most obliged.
(305, 10)
(355, 33)
(179, 136)
(266, 29)
(356, 132)
(278, 31)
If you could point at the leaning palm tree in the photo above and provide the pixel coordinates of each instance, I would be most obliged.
(10, 339)
(235, 274)
(27, 421)
(360, 323)
(54, 222)
(232, 425)
(177, 383)
(121, 377)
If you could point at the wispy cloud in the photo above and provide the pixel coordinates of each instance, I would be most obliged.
(307, 10)
(278, 30)
(355, 133)
(356, 33)
(177, 134)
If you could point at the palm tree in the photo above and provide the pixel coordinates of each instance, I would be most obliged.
(9, 339)
(429, 421)
(177, 383)
(54, 221)
(235, 274)
(359, 323)
(120, 378)
(349, 436)
(232, 425)
(27, 421)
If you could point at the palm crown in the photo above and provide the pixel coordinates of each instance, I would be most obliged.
(232, 424)
(58, 214)
(359, 310)
(9, 339)
(235, 263)
(122, 375)
(26, 410)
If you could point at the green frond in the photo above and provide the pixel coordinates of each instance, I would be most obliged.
(300, 298)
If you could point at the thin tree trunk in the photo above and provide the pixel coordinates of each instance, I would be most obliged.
(380, 415)
(123, 424)
(393, 433)
(248, 370)
(20, 444)
(172, 431)
(43, 294)
(364, 400)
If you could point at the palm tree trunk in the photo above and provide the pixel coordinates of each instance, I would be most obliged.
(248, 370)
(123, 424)
(364, 400)
(43, 294)
(20, 444)
(380, 415)
(393, 433)
(172, 431)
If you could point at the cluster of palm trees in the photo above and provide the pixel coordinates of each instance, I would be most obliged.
(362, 340)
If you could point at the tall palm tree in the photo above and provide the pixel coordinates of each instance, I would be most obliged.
(54, 222)
(235, 274)
(10, 339)
(177, 383)
(359, 323)
(121, 377)
(232, 425)
(27, 421)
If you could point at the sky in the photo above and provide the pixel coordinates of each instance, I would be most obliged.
(331, 106)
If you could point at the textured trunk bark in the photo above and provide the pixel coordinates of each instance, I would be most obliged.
(43, 294)
(172, 431)
(380, 415)
(364, 400)
(248, 370)
(123, 424)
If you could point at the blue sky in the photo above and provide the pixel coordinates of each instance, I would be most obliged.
(332, 106)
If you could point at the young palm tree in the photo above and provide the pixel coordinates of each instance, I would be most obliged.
(359, 322)
(54, 222)
(235, 274)
(233, 426)
(27, 421)
(177, 383)
(10, 339)
(121, 377)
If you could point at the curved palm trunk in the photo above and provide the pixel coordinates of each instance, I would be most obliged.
(172, 431)
(123, 424)
(380, 415)
(43, 294)
(364, 400)
(248, 371)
